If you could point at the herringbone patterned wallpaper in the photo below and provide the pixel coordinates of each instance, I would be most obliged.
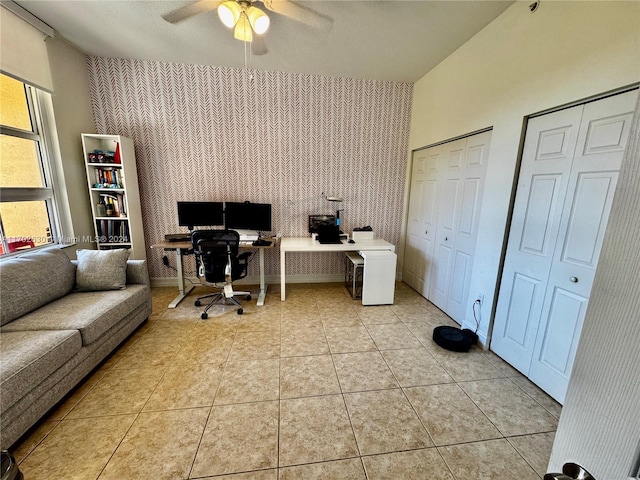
(211, 133)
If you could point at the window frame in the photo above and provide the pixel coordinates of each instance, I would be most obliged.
(53, 191)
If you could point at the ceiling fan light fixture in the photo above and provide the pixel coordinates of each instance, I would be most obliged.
(229, 13)
(258, 19)
(243, 29)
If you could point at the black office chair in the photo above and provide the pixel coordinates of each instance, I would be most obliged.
(218, 264)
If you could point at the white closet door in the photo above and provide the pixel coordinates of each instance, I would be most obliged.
(603, 136)
(464, 165)
(430, 213)
(422, 220)
(466, 224)
(444, 206)
(567, 182)
(449, 187)
(415, 246)
(549, 146)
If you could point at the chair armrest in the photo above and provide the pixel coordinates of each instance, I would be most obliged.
(137, 272)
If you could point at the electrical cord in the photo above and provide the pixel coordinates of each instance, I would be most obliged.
(477, 302)
(165, 262)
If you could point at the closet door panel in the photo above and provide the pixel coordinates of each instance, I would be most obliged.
(415, 246)
(467, 214)
(548, 153)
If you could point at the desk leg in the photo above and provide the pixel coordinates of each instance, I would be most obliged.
(263, 287)
(183, 293)
(283, 293)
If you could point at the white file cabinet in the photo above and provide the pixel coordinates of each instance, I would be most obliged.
(379, 277)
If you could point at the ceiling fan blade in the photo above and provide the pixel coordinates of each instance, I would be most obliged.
(258, 45)
(300, 13)
(190, 10)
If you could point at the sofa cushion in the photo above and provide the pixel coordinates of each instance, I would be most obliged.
(28, 358)
(92, 313)
(32, 280)
(102, 269)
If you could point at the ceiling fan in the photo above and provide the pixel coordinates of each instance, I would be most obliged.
(249, 23)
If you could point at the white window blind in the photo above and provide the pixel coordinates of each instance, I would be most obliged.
(23, 52)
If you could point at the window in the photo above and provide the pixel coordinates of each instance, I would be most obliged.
(29, 215)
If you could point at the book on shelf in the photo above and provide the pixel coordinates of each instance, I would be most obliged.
(113, 231)
(108, 177)
(116, 201)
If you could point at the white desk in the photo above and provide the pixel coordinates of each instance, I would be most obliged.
(181, 247)
(308, 244)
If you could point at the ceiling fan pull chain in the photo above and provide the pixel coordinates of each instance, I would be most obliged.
(245, 54)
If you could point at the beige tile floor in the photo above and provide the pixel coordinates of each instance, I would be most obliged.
(317, 387)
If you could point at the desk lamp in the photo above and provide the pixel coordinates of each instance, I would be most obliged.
(335, 199)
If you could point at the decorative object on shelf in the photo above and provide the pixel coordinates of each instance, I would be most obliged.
(116, 155)
(110, 210)
(101, 209)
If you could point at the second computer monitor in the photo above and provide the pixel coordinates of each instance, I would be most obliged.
(247, 216)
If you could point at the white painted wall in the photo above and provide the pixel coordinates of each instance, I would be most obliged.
(74, 115)
(520, 64)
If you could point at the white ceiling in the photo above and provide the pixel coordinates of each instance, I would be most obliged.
(384, 40)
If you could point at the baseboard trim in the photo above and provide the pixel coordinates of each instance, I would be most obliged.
(255, 280)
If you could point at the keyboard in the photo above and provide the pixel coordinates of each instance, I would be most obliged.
(261, 243)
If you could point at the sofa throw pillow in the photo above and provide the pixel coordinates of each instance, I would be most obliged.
(101, 269)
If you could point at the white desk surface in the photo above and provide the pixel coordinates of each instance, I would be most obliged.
(308, 244)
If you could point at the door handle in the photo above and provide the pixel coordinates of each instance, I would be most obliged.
(573, 279)
(570, 471)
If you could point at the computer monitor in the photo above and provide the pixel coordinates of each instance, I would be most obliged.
(200, 214)
(247, 216)
(318, 221)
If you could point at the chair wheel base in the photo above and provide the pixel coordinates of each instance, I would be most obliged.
(248, 297)
(240, 311)
(197, 303)
(204, 316)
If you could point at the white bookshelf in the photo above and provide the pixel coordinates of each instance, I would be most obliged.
(114, 184)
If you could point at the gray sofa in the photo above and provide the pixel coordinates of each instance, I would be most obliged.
(52, 335)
